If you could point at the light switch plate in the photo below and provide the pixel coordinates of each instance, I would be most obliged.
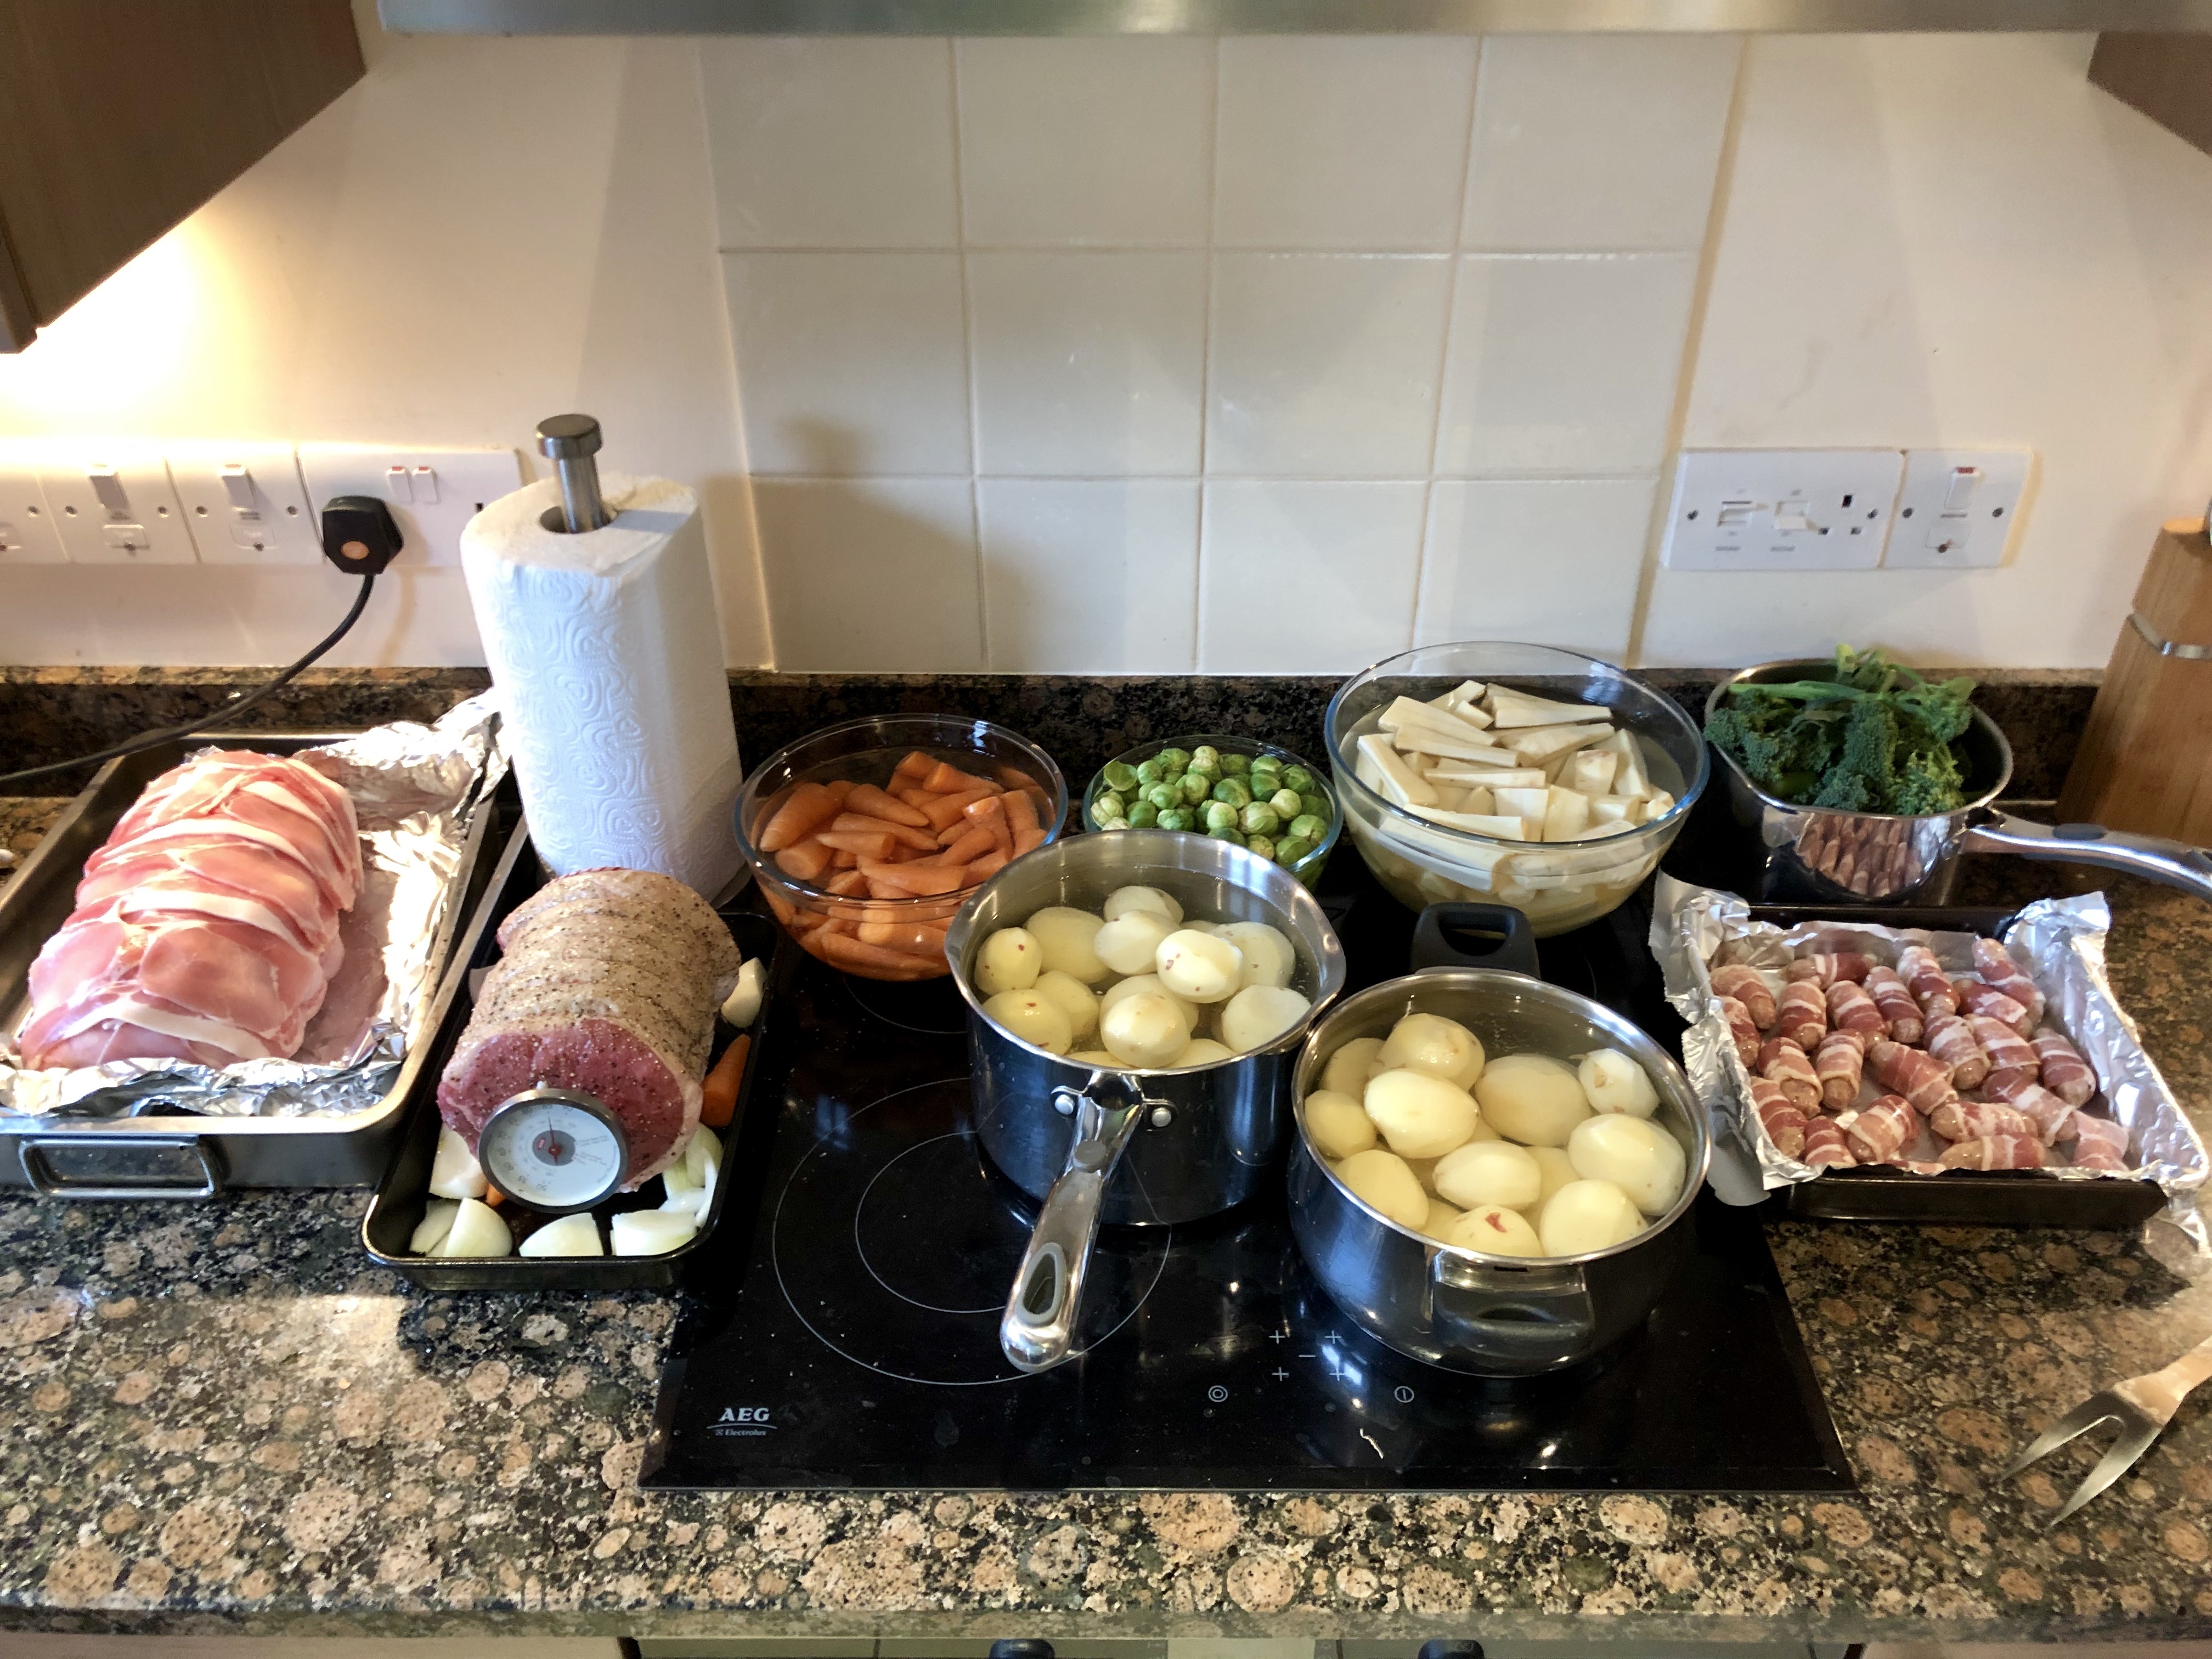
(1957, 508)
(1781, 509)
(28, 535)
(113, 503)
(244, 502)
(433, 493)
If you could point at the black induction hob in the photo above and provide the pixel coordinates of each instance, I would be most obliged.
(849, 1337)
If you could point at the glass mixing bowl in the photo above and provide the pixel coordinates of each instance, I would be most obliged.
(1307, 867)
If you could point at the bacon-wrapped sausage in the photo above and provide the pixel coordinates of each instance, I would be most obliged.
(1919, 1077)
(1950, 1041)
(2011, 1057)
(1899, 1010)
(1748, 985)
(1783, 1063)
(1925, 977)
(1825, 1147)
(1976, 1119)
(1780, 1116)
(2036, 1103)
(1977, 997)
(1803, 1018)
(2000, 973)
(1839, 1062)
(2066, 1073)
(1915, 1165)
(1741, 1030)
(1997, 1152)
(1880, 1131)
(1827, 968)
(1850, 1008)
(2099, 1143)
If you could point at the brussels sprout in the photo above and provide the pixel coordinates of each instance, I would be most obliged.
(1195, 787)
(1150, 772)
(1261, 845)
(1313, 802)
(1220, 815)
(1176, 817)
(1309, 826)
(1171, 772)
(1291, 848)
(1120, 776)
(1260, 819)
(1143, 815)
(1206, 758)
(1110, 806)
(1164, 795)
(1297, 778)
(1176, 758)
(1113, 823)
(1265, 763)
(1227, 834)
(1235, 791)
(1235, 765)
(1285, 802)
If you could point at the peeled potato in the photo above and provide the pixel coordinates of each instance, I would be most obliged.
(1484, 1132)
(1269, 958)
(1420, 1115)
(1011, 960)
(1495, 1230)
(1559, 1170)
(1199, 967)
(438, 1218)
(1076, 999)
(1033, 1017)
(570, 1234)
(1611, 1082)
(1588, 1215)
(476, 1231)
(1204, 1051)
(1338, 1124)
(1490, 1172)
(454, 1170)
(1442, 1215)
(1143, 984)
(1430, 1043)
(1350, 1066)
(1641, 1158)
(1145, 1030)
(1382, 1180)
(1124, 900)
(1258, 1014)
(1532, 1099)
(1093, 1057)
(1126, 945)
(1066, 936)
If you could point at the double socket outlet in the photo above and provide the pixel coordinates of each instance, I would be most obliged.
(96, 501)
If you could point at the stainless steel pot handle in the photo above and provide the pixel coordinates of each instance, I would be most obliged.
(2174, 863)
(1529, 1311)
(94, 1166)
(1037, 1330)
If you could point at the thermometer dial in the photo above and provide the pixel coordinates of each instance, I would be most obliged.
(557, 1150)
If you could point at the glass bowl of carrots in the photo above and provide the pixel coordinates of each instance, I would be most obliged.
(865, 837)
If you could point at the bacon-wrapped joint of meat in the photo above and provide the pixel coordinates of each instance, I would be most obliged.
(2011, 1059)
(1925, 977)
(1997, 1152)
(1781, 1117)
(1976, 1119)
(1741, 1028)
(1839, 1062)
(2066, 1073)
(1747, 986)
(1880, 1132)
(1916, 1075)
(2000, 973)
(1803, 1018)
(1899, 1010)
(1977, 997)
(2099, 1143)
(1850, 1008)
(2032, 1100)
(1827, 968)
(1783, 1063)
(1824, 1146)
(1950, 1041)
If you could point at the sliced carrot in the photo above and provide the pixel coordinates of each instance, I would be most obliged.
(974, 841)
(847, 952)
(493, 1196)
(875, 844)
(840, 787)
(914, 795)
(844, 858)
(928, 879)
(918, 937)
(946, 779)
(990, 813)
(717, 1095)
(985, 867)
(1014, 778)
(808, 807)
(866, 798)
(848, 882)
(916, 767)
(805, 860)
(1022, 819)
(860, 823)
(942, 809)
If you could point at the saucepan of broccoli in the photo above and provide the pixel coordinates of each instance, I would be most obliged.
(1875, 738)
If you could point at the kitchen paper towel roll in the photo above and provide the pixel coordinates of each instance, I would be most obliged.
(607, 663)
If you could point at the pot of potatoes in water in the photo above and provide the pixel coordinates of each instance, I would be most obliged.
(1491, 1170)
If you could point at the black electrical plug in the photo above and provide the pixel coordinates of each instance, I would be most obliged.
(360, 535)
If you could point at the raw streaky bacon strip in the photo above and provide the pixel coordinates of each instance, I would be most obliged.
(1747, 986)
(2065, 1073)
(206, 928)
(1899, 1010)
(1919, 1077)
(2036, 1103)
(1785, 1120)
(1977, 997)
(2000, 973)
(1828, 968)
(1803, 1018)
(1825, 1147)
(2099, 1143)
(1997, 1152)
(1783, 1063)
(1925, 977)
(2011, 1058)
(1977, 1120)
(1741, 1028)
(1850, 1008)
(1840, 1063)
(1883, 1130)
(1950, 1041)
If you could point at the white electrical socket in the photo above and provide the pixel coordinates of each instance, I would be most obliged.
(1781, 509)
(244, 502)
(1957, 509)
(113, 501)
(433, 493)
(28, 535)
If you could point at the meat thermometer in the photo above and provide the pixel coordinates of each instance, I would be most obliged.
(558, 1151)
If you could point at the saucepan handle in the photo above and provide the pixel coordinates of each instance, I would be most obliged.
(1527, 1312)
(1037, 1330)
(2174, 863)
(1471, 935)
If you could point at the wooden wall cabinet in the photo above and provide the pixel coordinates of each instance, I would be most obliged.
(118, 118)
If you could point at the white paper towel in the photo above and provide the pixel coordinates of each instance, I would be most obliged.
(607, 662)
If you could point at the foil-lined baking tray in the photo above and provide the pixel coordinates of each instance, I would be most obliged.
(428, 798)
(2060, 943)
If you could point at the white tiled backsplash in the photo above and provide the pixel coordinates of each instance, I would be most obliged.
(1256, 355)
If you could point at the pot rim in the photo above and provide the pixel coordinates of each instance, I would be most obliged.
(1642, 1045)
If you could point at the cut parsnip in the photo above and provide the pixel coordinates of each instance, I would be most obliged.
(1629, 777)
(1614, 809)
(1397, 780)
(1505, 825)
(1656, 805)
(1540, 742)
(1426, 740)
(1565, 813)
(1405, 711)
(1466, 695)
(1489, 777)
(1522, 804)
(1517, 708)
(1590, 770)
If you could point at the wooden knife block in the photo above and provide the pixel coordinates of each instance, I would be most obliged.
(2145, 763)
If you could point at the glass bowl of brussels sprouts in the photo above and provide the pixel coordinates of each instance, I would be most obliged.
(1262, 798)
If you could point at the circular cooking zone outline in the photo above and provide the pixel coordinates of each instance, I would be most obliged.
(820, 1291)
(955, 1012)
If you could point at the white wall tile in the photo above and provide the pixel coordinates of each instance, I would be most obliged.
(1597, 141)
(872, 573)
(1555, 561)
(1306, 578)
(1565, 364)
(1325, 364)
(850, 362)
(831, 143)
(1089, 576)
(1087, 363)
(1099, 141)
(1341, 142)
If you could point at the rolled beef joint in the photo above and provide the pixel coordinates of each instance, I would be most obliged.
(608, 986)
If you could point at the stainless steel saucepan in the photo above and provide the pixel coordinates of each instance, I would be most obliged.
(1820, 854)
(1144, 1148)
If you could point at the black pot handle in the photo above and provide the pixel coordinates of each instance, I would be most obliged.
(1501, 937)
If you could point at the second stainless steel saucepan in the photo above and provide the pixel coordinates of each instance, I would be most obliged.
(1123, 1145)
(1820, 854)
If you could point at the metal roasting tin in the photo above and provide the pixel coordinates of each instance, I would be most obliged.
(428, 798)
(2061, 944)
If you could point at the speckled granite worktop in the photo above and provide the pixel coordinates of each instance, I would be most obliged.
(218, 1420)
